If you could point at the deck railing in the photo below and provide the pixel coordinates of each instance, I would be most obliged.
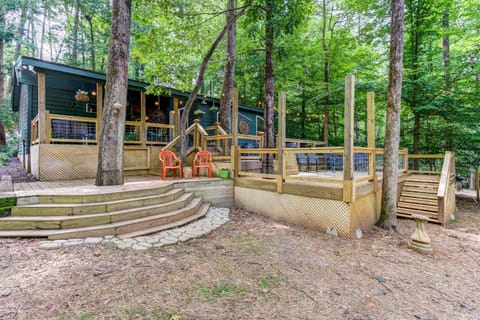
(446, 188)
(34, 131)
(425, 163)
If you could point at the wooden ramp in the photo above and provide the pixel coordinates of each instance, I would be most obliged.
(137, 210)
(419, 196)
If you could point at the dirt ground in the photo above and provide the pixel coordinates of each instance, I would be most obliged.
(252, 268)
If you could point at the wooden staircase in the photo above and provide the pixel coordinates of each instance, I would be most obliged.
(419, 196)
(126, 213)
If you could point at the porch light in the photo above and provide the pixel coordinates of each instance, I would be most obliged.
(93, 93)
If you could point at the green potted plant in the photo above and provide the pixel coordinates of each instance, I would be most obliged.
(224, 173)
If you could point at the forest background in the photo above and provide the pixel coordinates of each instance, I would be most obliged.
(317, 43)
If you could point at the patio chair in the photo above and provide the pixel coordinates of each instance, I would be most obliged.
(360, 161)
(312, 160)
(170, 161)
(333, 161)
(203, 159)
(302, 160)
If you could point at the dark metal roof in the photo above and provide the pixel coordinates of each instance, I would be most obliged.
(47, 66)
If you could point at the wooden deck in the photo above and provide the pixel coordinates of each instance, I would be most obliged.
(87, 186)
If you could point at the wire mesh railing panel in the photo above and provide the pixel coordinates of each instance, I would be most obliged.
(157, 135)
(425, 165)
(62, 129)
(259, 162)
(132, 134)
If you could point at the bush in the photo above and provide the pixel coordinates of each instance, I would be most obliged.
(10, 150)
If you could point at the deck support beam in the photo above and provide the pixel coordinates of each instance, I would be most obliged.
(235, 158)
(282, 102)
(42, 115)
(348, 182)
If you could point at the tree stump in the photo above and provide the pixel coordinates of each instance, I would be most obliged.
(420, 241)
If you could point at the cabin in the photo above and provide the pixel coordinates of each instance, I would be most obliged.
(60, 109)
(332, 189)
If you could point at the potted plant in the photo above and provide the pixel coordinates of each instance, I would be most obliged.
(198, 114)
(224, 173)
(82, 96)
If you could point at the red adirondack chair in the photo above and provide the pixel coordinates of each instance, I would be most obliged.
(170, 161)
(203, 159)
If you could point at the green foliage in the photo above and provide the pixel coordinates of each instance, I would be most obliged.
(216, 291)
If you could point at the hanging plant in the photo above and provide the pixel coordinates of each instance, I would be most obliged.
(82, 96)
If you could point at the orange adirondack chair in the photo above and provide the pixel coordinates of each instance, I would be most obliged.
(203, 159)
(170, 161)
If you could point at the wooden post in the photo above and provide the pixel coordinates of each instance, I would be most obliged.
(42, 117)
(235, 160)
(143, 115)
(282, 101)
(348, 185)
(372, 166)
(176, 117)
(99, 102)
(235, 116)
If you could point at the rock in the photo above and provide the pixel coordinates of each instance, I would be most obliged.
(332, 231)
(5, 292)
(97, 253)
(93, 240)
(49, 245)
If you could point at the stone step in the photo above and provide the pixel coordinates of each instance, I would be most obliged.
(418, 206)
(103, 194)
(76, 221)
(202, 211)
(184, 215)
(65, 209)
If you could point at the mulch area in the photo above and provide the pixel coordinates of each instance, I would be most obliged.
(14, 169)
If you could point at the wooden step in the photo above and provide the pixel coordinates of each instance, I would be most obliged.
(417, 206)
(130, 226)
(410, 212)
(419, 195)
(419, 200)
(429, 219)
(420, 190)
(102, 195)
(421, 185)
(64, 209)
(202, 211)
(66, 222)
(423, 178)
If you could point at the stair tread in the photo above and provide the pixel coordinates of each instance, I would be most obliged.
(430, 219)
(190, 206)
(76, 205)
(418, 195)
(418, 206)
(202, 211)
(420, 190)
(412, 211)
(182, 198)
(433, 202)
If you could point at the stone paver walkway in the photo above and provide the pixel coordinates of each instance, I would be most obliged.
(214, 218)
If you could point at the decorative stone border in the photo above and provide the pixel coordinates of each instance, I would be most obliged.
(215, 218)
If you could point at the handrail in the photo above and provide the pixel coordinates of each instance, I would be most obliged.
(445, 191)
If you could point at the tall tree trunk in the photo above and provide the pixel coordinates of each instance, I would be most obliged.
(92, 42)
(75, 33)
(110, 153)
(42, 36)
(198, 85)
(326, 74)
(229, 68)
(388, 217)
(268, 112)
(416, 139)
(446, 52)
(20, 33)
(3, 140)
(304, 105)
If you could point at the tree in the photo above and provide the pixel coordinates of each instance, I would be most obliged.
(388, 217)
(229, 69)
(110, 153)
